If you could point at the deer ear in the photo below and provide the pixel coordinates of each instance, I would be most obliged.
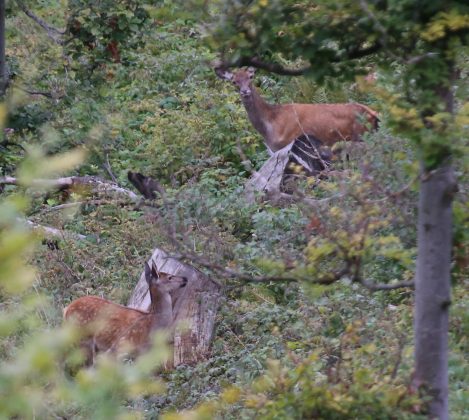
(251, 71)
(223, 73)
(155, 272)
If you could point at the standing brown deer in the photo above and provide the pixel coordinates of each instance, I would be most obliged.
(107, 326)
(281, 124)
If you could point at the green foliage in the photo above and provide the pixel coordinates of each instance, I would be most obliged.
(337, 38)
(102, 31)
(32, 379)
(311, 349)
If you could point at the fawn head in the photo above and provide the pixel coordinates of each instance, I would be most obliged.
(242, 79)
(160, 282)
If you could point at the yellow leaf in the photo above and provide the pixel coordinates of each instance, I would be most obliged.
(231, 395)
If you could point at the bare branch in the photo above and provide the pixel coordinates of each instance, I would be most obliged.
(400, 349)
(285, 71)
(97, 184)
(377, 23)
(313, 202)
(419, 58)
(55, 34)
(270, 67)
(50, 231)
(108, 168)
(256, 62)
(33, 92)
(75, 204)
(374, 287)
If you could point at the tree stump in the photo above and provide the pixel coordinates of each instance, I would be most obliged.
(268, 179)
(273, 179)
(194, 308)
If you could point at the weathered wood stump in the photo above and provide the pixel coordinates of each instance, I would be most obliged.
(272, 180)
(194, 308)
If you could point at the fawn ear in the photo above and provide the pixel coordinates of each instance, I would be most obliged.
(251, 71)
(154, 271)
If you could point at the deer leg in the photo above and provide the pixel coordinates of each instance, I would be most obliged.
(88, 349)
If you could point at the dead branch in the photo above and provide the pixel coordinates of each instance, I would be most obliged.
(54, 34)
(96, 184)
(312, 202)
(77, 204)
(374, 287)
(38, 93)
(50, 231)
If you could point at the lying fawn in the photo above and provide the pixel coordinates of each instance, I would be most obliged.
(107, 326)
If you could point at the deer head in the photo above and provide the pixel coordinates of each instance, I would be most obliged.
(160, 283)
(242, 79)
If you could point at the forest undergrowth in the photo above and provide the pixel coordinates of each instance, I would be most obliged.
(281, 349)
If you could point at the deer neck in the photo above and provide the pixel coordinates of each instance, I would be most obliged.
(259, 113)
(161, 309)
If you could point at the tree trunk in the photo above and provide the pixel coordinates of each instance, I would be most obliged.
(3, 66)
(194, 308)
(432, 287)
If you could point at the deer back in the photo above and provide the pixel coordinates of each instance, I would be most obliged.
(101, 319)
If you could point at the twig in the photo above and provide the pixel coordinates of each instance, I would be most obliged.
(108, 168)
(75, 204)
(51, 95)
(377, 24)
(401, 343)
(33, 92)
(299, 197)
(65, 206)
(244, 159)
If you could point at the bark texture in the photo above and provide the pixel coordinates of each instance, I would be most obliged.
(3, 67)
(94, 183)
(268, 180)
(432, 287)
(279, 174)
(194, 308)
